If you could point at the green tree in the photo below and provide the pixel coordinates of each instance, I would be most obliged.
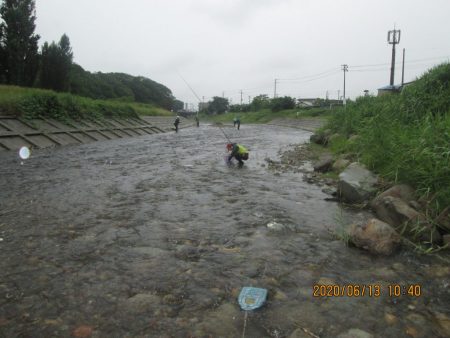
(177, 105)
(218, 105)
(18, 42)
(281, 103)
(56, 63)
(260, 102)
(2, 58)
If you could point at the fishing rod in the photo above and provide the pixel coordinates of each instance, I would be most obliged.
(229, 141)
(187, 84)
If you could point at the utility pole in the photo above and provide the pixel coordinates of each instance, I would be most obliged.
(339, 94)
(223, 94)
(241, 97)
(403, 68)
(345, 69)
(275, 89)
(249, 99)
(393, 39)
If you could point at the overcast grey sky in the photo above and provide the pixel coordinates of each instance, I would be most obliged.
(223, 46)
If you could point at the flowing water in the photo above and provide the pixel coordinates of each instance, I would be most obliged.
(156, 236)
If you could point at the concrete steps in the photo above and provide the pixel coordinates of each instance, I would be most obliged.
(42, 133)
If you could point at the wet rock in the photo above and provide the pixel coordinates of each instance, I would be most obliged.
(299, 333)
(412, 332)
(446, 240)
(390, 319)
(340, 164)
(443, 220)
(278, 227)
(385, 273)
(223, 322)
(187, 253)
(438, 271)
(83, 331)
(329, 191)
(402, 191)
(397, 212)
(355, 333)
(326, 281)
(417, 319)
(356, 184)
(415, 205)
(279, 295)
(324, 164)
(394, 210)
(141, 302)
(320, 138)
(443, 320)
(375, 236)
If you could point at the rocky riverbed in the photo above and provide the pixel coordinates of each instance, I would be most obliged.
(155, 237)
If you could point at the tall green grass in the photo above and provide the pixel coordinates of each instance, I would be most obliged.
(405, 137)
(31, 103)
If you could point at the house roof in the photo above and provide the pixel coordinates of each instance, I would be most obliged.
(389, 87)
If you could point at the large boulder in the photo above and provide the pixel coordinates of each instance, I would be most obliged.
(443, 220)
(324, 164)
(402, 191)
(340, 164)
(356, 184)
(319, 138)
(398, 213)
(334, 137)
(375, 236)
(394, 210)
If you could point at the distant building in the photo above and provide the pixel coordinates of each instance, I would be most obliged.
(316, 102)
(395, 89)
(203, 106)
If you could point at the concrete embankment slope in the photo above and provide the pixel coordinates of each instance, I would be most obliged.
(43, 132)
(310, 124)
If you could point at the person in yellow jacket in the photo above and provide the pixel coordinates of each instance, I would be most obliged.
(238, 151)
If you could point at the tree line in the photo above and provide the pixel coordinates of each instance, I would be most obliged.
(220, 105)
(52, 67)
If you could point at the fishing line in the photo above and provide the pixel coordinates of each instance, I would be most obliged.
(229, 141)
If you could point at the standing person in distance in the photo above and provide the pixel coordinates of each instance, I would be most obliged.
(238, 122)
(176, 123)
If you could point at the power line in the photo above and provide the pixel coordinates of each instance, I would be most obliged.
(398, 63)
(314, 79)
(308, 76)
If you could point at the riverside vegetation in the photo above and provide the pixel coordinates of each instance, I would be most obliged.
(404, 138)
(30, 103)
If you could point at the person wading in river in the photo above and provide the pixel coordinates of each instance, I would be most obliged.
(238, 151)
(176, 123)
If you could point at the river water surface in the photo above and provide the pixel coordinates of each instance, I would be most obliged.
(155, 237)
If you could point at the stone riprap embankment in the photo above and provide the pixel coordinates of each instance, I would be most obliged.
(43, 133)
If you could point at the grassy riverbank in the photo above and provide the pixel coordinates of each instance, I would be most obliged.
(404, 138)
(31, 103)
(266, 115)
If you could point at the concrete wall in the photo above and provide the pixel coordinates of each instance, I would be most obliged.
(41, 133)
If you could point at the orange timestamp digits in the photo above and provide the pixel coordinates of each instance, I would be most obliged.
(346, 290)
(369, 290)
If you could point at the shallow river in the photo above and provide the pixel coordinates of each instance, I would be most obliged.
(155, 237)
